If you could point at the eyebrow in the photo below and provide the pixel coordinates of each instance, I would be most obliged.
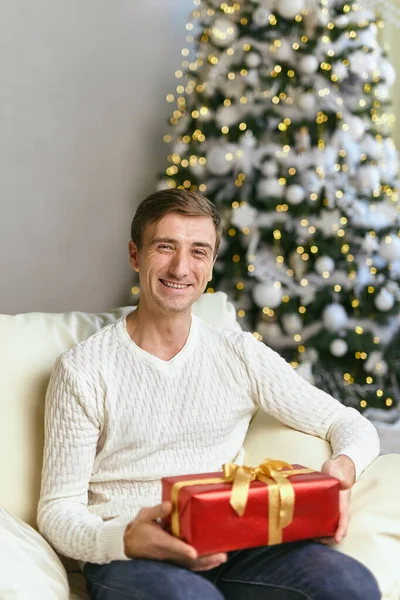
(168, 240)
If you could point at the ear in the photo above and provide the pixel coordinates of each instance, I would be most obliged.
(134, 256)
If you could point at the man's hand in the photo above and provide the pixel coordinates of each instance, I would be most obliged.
(342, 467)
(145, 538)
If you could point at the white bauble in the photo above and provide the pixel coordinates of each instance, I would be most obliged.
(356, 125)
(374, 364)
(295, 194)
(334, 317)
(292, 323)
(223, 32)
(381, 92)
(308, 64)
(288, 9)
(269, 331)
(269, 169)
(244, 216)
(342, 21)
(370, 244)
(384, 300)
(362, 63)
(307, 102)
(381, 368)
(338, 347)
(389, 247)
(270, 187)
(324, 264)
(253, 60)
(284, 52)
(261, 16)
(267, 294)
(387, 72)
(371, 147)
(218, 159)
(228, 115)
(369, 178)
(340, 70)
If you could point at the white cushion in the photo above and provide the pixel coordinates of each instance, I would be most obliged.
(374, 531)
(29, 346)
(29, 568)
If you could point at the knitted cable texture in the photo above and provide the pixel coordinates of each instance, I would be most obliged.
(118, 419)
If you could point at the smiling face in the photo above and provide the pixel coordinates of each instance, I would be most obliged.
(175, 261)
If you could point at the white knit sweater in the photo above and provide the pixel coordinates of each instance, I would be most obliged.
(118, 419)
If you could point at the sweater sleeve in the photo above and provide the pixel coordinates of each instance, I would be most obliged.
(281, 392)
(72, 429)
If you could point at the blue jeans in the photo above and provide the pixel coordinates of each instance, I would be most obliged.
(294, 571)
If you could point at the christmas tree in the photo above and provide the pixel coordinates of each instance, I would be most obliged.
(281, 119)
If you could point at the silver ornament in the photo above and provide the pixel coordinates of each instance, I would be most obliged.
(389, 248)
(267, 294)
(223, 32)
(220, 159)
(334, 317)
(288, 9)
(384, 300)
(338, 347)
(292, 323)
(308, 64)
(295, 194)
(324, 264)
(270, 188)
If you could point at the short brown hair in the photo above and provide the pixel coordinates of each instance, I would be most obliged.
(153, 208)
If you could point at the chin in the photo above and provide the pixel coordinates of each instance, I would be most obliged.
(177, 306)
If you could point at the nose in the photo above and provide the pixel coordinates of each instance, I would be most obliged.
(179, 265)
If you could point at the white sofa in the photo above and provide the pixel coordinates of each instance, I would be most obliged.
(30, 570)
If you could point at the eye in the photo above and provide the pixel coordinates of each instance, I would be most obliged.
(200, 252)
(165, 247)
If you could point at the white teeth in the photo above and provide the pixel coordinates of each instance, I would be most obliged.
(177, 286)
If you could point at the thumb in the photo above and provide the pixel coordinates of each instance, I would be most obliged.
(344, 484)
(153, 513)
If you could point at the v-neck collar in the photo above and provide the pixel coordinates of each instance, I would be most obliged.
(165, 366)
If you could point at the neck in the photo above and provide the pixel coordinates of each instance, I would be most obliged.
(161, 335)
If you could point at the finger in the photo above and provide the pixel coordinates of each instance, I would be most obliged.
(206, 563)
(344, 484)
(341, 531)
(173, 548)
(152, 513)
(328, 541)
(207, 566)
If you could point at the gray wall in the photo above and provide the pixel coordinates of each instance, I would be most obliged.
(82, 114)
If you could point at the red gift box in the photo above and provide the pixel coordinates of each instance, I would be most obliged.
(244, 507)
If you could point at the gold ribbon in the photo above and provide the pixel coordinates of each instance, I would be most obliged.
(281, 496)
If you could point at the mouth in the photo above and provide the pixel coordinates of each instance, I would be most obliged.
(173, 285)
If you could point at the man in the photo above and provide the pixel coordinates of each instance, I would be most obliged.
(160, 393)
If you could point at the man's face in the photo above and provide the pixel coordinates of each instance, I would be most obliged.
(175, 261)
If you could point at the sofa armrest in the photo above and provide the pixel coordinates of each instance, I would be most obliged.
(374, 532)
(268, 437)
(373, 537)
